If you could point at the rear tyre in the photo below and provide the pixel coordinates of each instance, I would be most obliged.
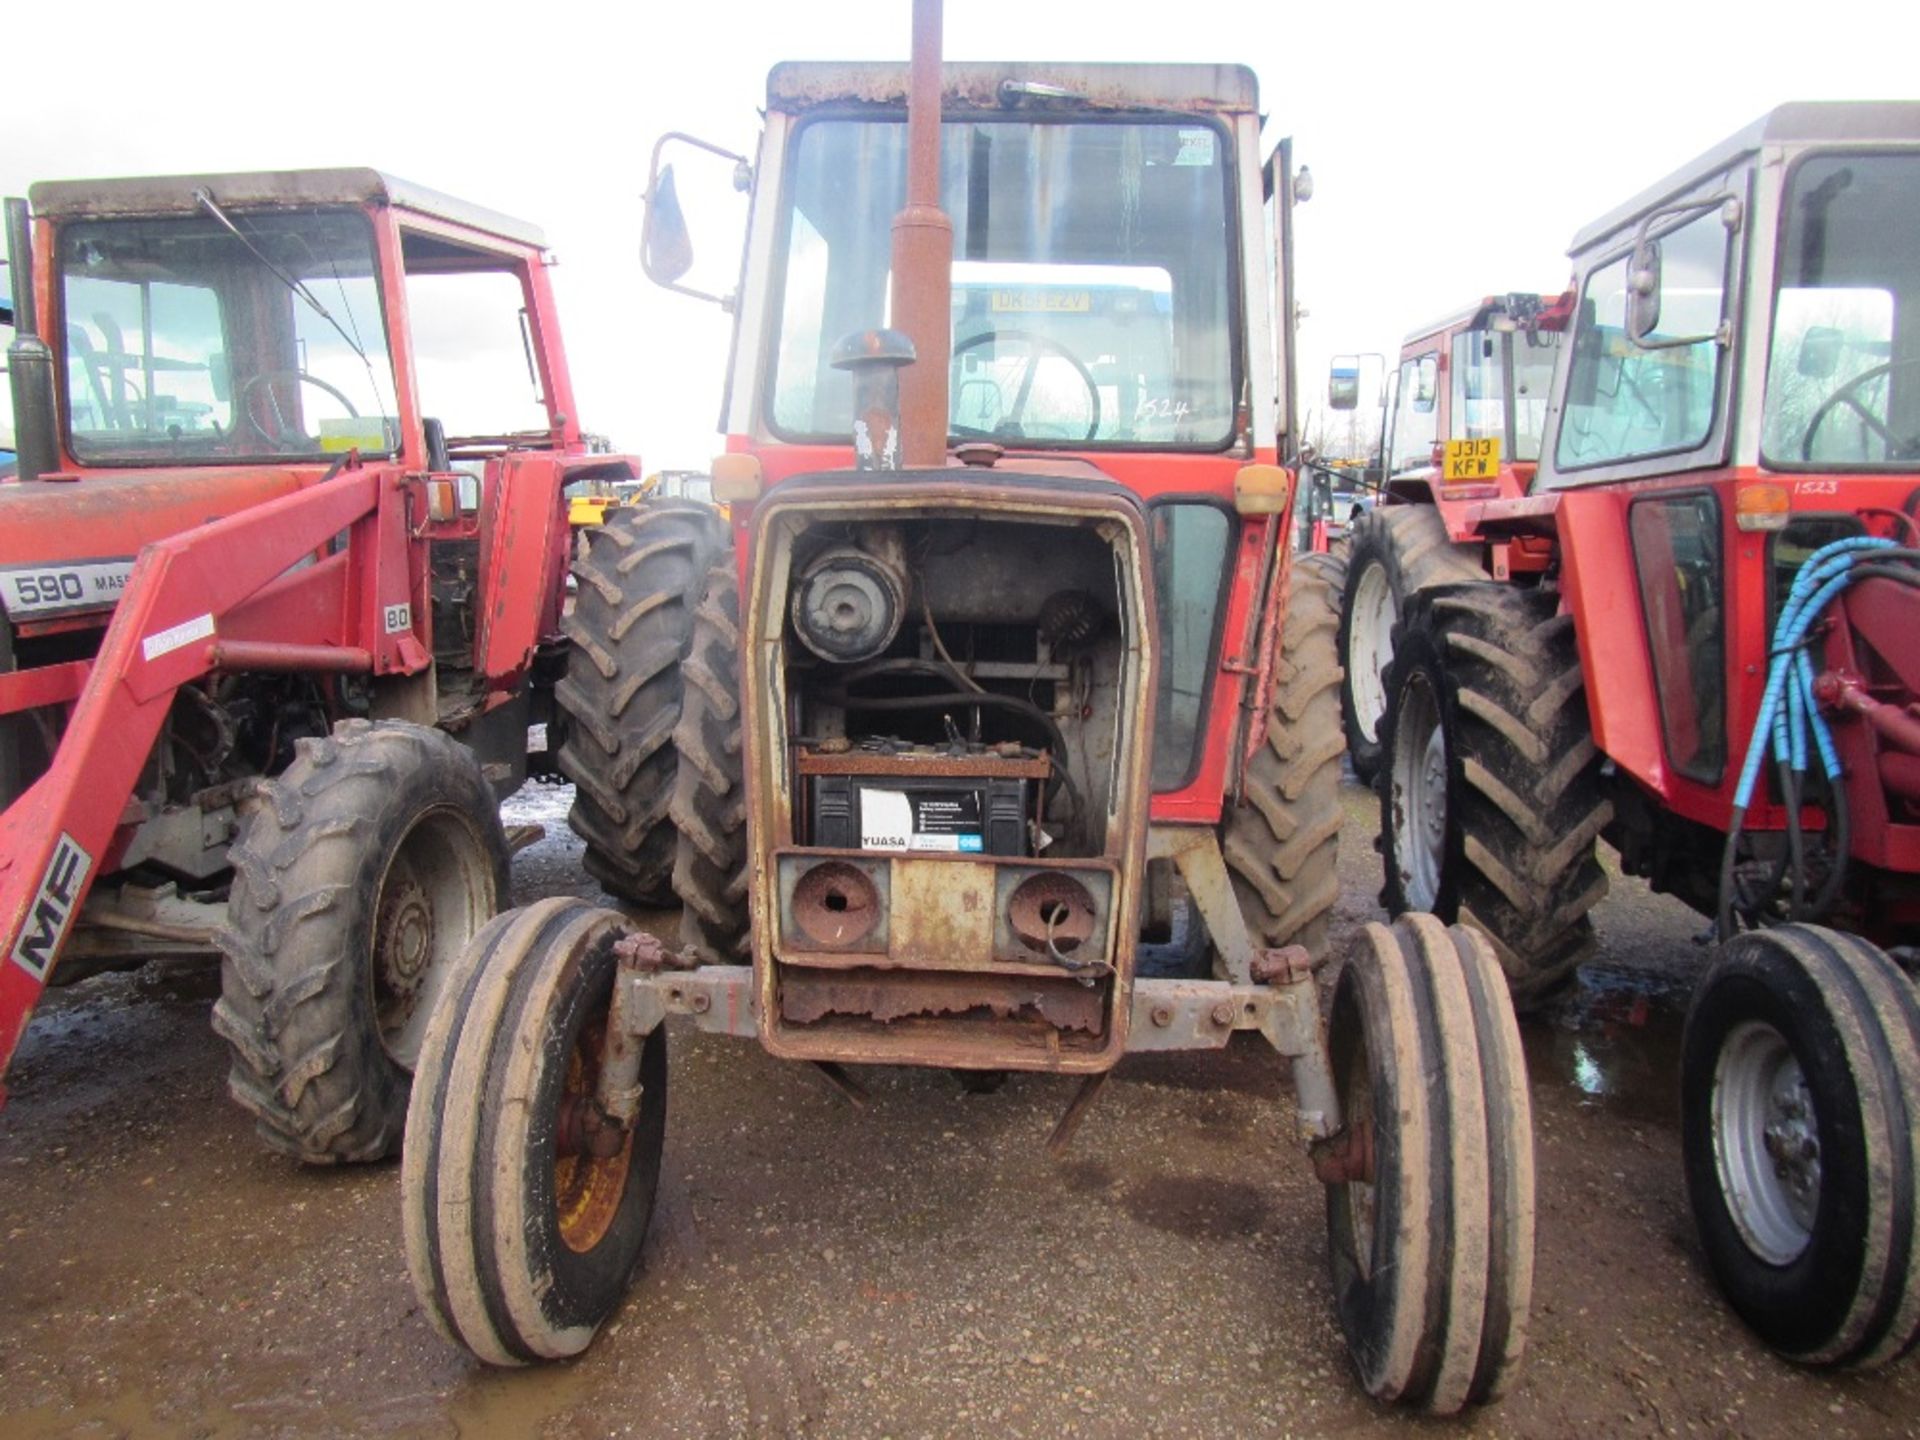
(1394, 551)
(709, 807)
(520, 1245)
(637, 584)
(1281, 843)
(1491, 798)
(364, 871)
(1800, 1098)
(1432, 1257)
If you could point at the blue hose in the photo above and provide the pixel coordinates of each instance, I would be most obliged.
(1789, 715)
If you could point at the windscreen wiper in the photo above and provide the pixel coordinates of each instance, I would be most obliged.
(298, 286)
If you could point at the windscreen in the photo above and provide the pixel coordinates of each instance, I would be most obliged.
(1843, 374)
(186, 342)
(1092, 278)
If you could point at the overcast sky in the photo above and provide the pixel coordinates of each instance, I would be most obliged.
(1455, 148)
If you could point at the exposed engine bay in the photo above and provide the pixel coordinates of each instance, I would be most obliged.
(953, 687)
(952, 690)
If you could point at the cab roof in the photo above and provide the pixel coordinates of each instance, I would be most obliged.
(798, 85)
(1803, 122)
(269, 190)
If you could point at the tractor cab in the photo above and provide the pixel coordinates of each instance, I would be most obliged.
(1465, 410)
(212, 342)
(1741, 388)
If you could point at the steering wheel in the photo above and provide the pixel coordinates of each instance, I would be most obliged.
(1039, 343)
(1845, 396)
(299, 377)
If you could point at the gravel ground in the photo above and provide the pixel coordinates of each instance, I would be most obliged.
(916, 1267)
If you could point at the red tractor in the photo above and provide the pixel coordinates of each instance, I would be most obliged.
(1707, 658)
(1462, 421)
(1008, 638)
(282, 573)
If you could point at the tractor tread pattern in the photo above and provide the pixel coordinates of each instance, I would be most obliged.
(1526, 802)
(1411, 544)
(287, 1006)
(709, 795)
(1281, 842)
(638, 584)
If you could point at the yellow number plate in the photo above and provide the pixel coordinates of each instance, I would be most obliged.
(1040, 302)
(1472, 460)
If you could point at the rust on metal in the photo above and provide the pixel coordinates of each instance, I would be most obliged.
(850, 1089)
(923, 256)
(1051, 913)
(836, 905)
(932, 763)
(808, 997)
(1345, 1157)
(942, 914)
(1282, 966)
(1076, 1111)
(873, 358)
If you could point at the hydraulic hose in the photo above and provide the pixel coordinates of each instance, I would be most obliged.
(1792, 728)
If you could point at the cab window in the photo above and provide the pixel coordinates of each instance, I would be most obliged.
(1416, 414)
(1191, 540)
(472, 358)
(1479, 386)
(1629, 399)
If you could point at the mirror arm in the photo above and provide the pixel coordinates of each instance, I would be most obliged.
(1732, 213)
(1722, 335)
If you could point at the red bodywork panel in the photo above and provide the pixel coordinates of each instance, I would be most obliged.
(1150, 476)
(110, 514)
(1600, 583)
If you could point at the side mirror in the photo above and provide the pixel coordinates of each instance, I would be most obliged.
(666, 250)
(1820, 349)
(1644, 282)
(1425, 374)
(1643, 290)
(1343, 387)
(666, 247)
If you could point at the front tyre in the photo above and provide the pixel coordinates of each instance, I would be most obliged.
(1430, 1222)
(359, 878)
(1491, 796)
(519, 1241)
(1394, 552)
(1800, 1096)
(1282, 841)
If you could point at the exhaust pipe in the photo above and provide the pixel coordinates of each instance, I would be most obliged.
(923, 256)
(29, 361)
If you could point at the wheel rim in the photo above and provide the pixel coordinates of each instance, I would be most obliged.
(1359, 1199)
(1370, 648)
(1419, 795)
(1766, 1142)
(435, 895)
(587, 1191)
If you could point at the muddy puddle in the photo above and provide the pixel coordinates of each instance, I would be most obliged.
(1614, 1041)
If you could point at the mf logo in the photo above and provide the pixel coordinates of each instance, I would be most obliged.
(51, 910)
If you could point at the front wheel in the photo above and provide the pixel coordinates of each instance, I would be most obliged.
(1430, 1199)
(519, 1240)
(1800, 1095)
(367, 866)
(1491, 796)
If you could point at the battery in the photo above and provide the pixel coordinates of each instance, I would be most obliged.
(920, 801)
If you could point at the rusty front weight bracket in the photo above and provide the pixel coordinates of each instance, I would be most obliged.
(1345, 1157)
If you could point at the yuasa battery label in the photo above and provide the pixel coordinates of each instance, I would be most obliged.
(936, 820)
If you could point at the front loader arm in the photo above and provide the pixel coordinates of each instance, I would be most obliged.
(167, 632)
